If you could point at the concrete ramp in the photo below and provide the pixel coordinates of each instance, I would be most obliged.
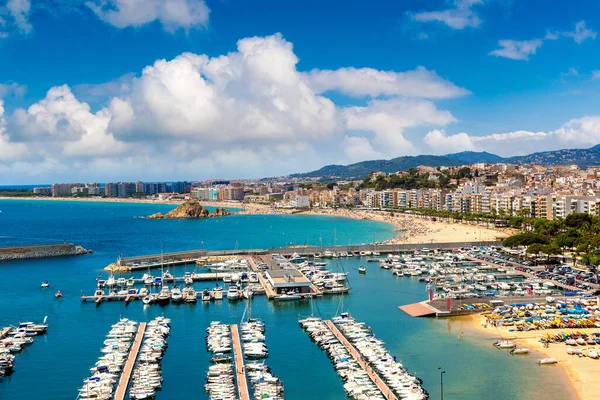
(418, 310)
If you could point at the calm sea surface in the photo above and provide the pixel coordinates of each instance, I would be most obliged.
(55, 365)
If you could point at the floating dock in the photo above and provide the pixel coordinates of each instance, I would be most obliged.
(240, 372)
(126, 375)
(381, 385)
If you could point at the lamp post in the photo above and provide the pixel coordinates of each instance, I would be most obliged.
(442, 372)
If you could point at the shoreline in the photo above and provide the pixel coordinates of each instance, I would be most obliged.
(580, 372)
(408, 228)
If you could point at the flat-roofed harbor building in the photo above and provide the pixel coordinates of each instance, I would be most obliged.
(286, 280)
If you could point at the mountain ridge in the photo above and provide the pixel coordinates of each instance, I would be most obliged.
(581, 157)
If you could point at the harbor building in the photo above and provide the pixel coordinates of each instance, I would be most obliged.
(286, 280)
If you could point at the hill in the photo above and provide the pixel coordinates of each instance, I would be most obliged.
(581, 157)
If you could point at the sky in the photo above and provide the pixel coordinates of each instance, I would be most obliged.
(118, 90)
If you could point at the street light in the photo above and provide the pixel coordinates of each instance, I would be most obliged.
(442, 372)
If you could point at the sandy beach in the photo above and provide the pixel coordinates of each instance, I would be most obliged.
(410, 228)
(582, 372)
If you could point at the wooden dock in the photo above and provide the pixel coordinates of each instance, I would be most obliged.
(126, 375)
(381, 385)
(240, 372)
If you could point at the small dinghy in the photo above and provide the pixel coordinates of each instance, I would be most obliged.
(547, 361)
(592, 354)
(518, 351)
(505, 344)
(58, 294)
(362, 270)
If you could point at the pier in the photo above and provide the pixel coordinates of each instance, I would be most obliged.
(240, 372)
(381, 385)
(25, 252)
(126, 375)
(182, 257)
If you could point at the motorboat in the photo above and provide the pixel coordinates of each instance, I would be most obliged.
(164, 296)
(362, 270)
(289, 296)
(147, 299)
(176, 295)
(189, 295)
(518, 351)
(206, 295)
(45, 284)
(58, 294)
(233, 292)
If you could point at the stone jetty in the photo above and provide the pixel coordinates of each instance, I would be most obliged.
(41, 251)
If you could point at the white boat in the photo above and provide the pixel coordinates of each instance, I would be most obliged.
(289, 296)
(505, 344)
(547, 361)
(176, 295)
(147, 299)
(362, 270)
(45, 284)
(592, 354)
(519, 351)
(233, 293)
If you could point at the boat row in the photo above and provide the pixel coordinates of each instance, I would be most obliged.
(392, 372)
(220, 378)
(357, 382)
(107, 370)
(326, 281)
(147, 375)
(14, 340)
(264, 384)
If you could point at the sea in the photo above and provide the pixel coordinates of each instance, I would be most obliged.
(55, 365)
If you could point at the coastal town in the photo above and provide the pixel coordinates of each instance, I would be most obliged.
(537, 191)
(295, 200)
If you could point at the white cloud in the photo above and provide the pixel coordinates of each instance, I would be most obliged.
(517, 50)
(419, 82)
(570, 72)
(357, 149)
(172, 14)
(580, 131)
(19, 11)
(388, 119)
(12, 89)
(440, 143)
(247, 113)
(581, 33)
(551, 35)
(458, 17)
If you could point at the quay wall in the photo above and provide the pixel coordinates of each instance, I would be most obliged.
(11, 253)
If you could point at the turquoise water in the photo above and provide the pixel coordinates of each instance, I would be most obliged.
(55, 365)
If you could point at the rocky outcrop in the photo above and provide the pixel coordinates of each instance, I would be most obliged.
(190, 210)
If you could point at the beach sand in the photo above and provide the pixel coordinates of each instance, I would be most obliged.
(582, 372)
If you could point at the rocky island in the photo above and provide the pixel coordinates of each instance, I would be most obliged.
(191, 209)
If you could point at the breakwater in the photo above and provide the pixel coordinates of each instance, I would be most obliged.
(26, 252)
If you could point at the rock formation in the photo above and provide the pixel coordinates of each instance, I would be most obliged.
(190, 210)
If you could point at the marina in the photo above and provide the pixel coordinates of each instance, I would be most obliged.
(79, 328)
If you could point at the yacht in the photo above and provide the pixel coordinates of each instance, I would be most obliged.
(206, 295)
(176, 295)
(233, 292)
(189, 295)
(164, 296)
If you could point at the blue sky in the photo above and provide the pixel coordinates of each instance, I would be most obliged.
(264, 88)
